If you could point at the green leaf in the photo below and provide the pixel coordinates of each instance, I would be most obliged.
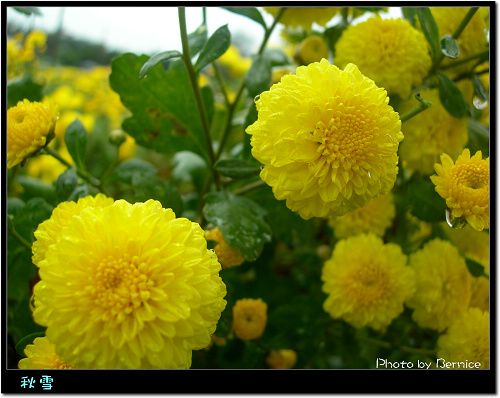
(476, 269)
(28, 10)
(449, 46)
(479, 90)
(216, 45)
(333, 34)
(33, 187)
(153, 187)
(156, 59)
(197, 40)
(429, 28)
(241, 221)
(66, 184)
(22, 88)
(236, 168)
(276, 56)
(126, 171)
(249, 12)
(76, 142)
(479, 137)
(410, 14)
(425, 202)
(258, 78)
(21, 345)
(250, 118)
(451, 97)
(164, 111)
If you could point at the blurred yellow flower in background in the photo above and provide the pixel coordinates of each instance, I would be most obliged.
(249, 318)
(304, 16)
(227, 255)
(281, 359)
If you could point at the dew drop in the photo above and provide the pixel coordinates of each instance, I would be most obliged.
(479, 103)
(454, 222)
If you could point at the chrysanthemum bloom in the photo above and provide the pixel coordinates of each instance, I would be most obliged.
(431, 133)
(367, 281)
(375, 217)
(390, 51)
(233, 60)
(443, 285)
(30, 126)
(465, 186)
(227, 255)
(311, 49)
(328, 140)
(249, 318)
(304, 16)
(47, 232)
(129, 286)
(476, 246)
(471, 41)
(467, 339)
(42, 355)
(281, 359)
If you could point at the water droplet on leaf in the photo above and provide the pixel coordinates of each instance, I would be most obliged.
(454, 222)
(479, 103)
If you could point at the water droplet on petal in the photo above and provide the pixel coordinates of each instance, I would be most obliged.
(479, 103)
(454, 222)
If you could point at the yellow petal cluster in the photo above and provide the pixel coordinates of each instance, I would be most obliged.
(30, 125)
(473, 40)
(227, 255)
(42, 355)
(249, 318)
(466, 187)
(128, 286)
(281, 359)
(431, 133)
(443, 285)
(467, 339)
(375, 217)
(367, 281)
(390, 51)
(304, 17)
(327, 138)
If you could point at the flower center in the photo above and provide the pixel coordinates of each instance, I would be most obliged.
(344, 137)
(474, 177)
(19, 116)
(120, 285)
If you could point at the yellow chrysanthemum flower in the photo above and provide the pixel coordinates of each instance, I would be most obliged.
(30, 126)
(249, 318)
(304, 16)
(471, 41)
(390, 51)
(367, 281)
(227, 255)
(328, 140)
(467, 339)
(42, 355)
(375, 217)
(129, 286)
(431, 133)
(47, 232)
(311, 49)
(443, 285)
(476, 246)
(281, 359)
(465, 186)
(233, 60)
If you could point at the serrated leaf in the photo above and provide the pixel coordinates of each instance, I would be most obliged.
(429, 28)
(164, 111)
(237, 168)
(156, 59)
(258, 77)
(449, 46)
(249, 12)
(76, 142)
(241, 221)
(451, 97)
(425, 202)
(216, 45)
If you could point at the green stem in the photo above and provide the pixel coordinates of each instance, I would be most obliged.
(465, 20)
(422, 106)
(186, 57)
(465, 60)
(250, 187)
(232, 107)
(82, 173)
